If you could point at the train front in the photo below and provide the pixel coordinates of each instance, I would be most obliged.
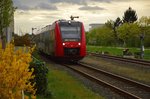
(72, 44)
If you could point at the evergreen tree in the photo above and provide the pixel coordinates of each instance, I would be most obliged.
(117, 22)
(130, 16)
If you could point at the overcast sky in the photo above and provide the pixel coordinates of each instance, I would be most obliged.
(38, 13)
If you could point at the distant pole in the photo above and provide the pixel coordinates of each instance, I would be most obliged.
(142, 45)
(32, 34)
(33, 30)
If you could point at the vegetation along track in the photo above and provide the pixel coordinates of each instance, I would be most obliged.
(130, 60)
(123, 86)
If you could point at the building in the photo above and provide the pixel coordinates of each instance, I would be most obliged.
(95, 25)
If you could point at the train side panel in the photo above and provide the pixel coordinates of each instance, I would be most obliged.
(52, 42)
(83, 42)
(58, 42)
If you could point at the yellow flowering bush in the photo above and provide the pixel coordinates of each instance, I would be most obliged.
(15, 73)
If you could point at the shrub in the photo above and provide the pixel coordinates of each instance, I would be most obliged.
(40, 72)
(14, 73)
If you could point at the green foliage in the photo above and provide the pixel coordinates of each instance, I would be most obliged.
(144, 20)
(87, 37)
(40, 72)
(147, 54)
(101, 36)
(6, 17)
(129, 33)
(6, 13)
(144, 23)
(130, 16)
(110, 24)
(146, 32)
(90, 37)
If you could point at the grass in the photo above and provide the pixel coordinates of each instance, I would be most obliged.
(133, 72)
(64, 86)
(117, 50)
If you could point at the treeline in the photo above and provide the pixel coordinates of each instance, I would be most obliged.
(24, 40)
(127, 32)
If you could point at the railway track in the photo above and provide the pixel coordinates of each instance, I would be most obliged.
(123, 86)
(130, 60)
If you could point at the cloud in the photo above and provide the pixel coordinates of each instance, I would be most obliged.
(79, 2)
(19, 5)
(107, 1)
(34, 5)
(22, 12)
(51, 4)
(82, 2)
(91, 8)
(110, 1)
(45, 6)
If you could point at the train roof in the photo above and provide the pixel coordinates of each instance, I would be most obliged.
(48, 27)
(64, 20)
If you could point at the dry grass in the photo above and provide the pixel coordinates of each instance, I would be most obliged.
(138, 73)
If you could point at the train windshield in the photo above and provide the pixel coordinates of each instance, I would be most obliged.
(71, 32)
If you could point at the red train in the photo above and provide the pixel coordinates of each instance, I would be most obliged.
(64, 40)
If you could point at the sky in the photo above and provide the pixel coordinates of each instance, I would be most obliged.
(39, 13)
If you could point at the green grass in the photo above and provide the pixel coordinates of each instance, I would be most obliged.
(64, 86)
(147, 54)
(117, 50)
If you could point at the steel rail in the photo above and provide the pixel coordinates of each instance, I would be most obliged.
(124, 79)
(135, 61)
(103, 83)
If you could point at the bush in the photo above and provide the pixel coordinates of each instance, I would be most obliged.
(40, 72)
(14, 73)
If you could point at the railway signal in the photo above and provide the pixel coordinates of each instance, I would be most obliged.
(142, 45)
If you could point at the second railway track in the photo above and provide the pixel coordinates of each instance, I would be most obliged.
(130, 60)
(123, 86)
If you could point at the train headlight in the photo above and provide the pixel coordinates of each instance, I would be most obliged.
(79, 43)
(63, 44)
(69, 22)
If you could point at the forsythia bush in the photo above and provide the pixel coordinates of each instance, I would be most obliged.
(14, 73)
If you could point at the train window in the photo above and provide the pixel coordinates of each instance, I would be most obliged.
(71, 33)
